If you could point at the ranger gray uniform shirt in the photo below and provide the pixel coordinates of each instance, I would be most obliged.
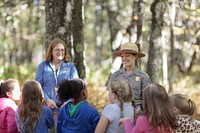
(138, 81)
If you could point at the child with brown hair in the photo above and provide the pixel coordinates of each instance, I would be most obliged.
(9, 93)
(157, 117)
(76, 115)
(121, 96)
(32, 115)
(185, 109)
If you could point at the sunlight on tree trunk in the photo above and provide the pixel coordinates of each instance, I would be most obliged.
(164, 60)
(172, 14)
(78, 38)
(154, 61)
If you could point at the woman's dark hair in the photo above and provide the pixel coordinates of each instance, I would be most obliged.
(70, 89)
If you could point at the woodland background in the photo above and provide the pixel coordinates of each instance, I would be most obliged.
(167, 31)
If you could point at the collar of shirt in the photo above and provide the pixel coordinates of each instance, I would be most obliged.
(135, 72)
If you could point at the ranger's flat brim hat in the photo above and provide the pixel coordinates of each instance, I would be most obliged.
(129, 48)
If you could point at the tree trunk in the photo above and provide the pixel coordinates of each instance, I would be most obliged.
(164, 60)
(172, 62)
(58, 20)
(137, 19)
(114, 26)
(64, 20)
(154, 60)
(78, 39)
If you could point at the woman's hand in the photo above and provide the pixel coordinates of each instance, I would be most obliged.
(51, 104)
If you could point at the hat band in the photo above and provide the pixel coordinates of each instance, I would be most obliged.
(128, 50)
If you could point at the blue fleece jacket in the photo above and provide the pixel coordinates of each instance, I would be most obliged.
(45, 76)
(85, 119)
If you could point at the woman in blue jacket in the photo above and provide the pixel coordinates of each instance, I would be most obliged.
(53, 70)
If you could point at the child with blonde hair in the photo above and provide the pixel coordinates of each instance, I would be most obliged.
(185, 109)
(9, 93)
(158, 115)
(32, 115)
(121, 97)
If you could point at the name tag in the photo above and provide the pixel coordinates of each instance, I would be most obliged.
(56, 90)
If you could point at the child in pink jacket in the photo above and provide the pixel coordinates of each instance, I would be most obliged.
(9, 92)
(158, 115)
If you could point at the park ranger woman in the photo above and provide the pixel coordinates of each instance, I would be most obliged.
(130, 72)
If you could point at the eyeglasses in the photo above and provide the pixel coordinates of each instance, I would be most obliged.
(59, 50)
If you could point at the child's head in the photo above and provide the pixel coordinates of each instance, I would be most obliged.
(73, 88)
(183, 105)
(122, 91)
(32, 93)
(157, 106)
(10, 89)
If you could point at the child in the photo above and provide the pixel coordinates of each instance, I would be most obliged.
(158, 116)
(9, 93)
(76, 115)
(120, 96)
(185, 109)
(32, 115)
